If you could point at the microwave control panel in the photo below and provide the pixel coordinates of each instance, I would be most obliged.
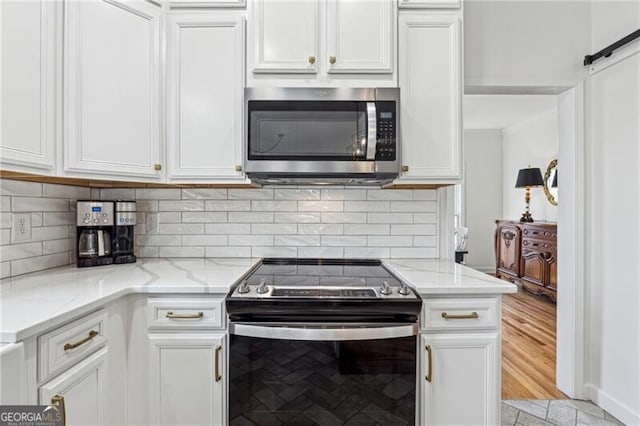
(386, 134)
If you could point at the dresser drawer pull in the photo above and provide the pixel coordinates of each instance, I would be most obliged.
(429, 376)
(59, 401)
(217, 364)
(472, 315)
(91, 335)
(185, 316)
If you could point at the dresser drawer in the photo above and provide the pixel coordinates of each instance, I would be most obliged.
(540, 233)
(67, 345)
(454, 314)
(538, 244)
(185, 313)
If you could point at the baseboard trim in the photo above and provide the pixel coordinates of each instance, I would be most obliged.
(617, 409)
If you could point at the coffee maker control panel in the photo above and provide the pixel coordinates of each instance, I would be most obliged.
(125, 213)
(94, 213)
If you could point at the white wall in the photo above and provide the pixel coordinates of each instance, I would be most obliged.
(530, 143)
(525, 42)
(612, 20)
(482, 195)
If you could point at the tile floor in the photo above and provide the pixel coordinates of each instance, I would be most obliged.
(563, 412)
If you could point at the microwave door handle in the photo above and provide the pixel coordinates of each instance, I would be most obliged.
(372, 130)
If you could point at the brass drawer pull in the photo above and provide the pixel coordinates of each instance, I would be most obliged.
(218, 376)
(429, 376)
(91, 335)
(185, 316)
(59, 400)
(472, 315)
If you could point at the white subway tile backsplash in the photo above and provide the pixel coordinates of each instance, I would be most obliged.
(320, 206)
(5, 269)
(413, 206)
(181, 252)
(5, 236)
(23, 266)
(389, 241)
(251, 217)
(56, 218)
(328, 217)
(321, 252)
(204, 240)
(227, 228)
(5, 203)
(420, 229)
(366, 229)
(37, 219)
(228, 252)
(274, 252)
(64, 245)
(417, 252)
(181, 228)
(425, 241)
(146, 205)
(159, 240)
(250, 240)
(204, 193)
(228, 206)
(366, 252)
(250, 194)
(204, 217)
(321, 229)
(20, 250)
(274, 206)
(65, 191)
(168, 217)
(389, 217)
(49, 233)
(5, 220)
(344, 240)
(117, 194)
(389, 194)
(274, 228)
(306, 217)
(31, 204)
(296, 240)
(366, 206)
(343, 194)
(425, 218)
(20, 188)
(425, 194)
(181, 206)
(147, 251)
(297, 194)
(158, 194)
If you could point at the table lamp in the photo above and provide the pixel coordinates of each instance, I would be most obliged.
(531, 176)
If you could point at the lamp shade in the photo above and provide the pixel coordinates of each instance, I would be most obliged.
(554, 184)
(529, 177)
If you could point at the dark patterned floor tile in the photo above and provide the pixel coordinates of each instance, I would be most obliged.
(383, 416)
(297, 376)
(398, 388)
(269, 399)
(349, 406)
(361, 419)
(263, 418)
(321, 416)
(241, 421)
(299, 404)
(293, 392)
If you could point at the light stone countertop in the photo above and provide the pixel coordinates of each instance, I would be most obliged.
(33, 303)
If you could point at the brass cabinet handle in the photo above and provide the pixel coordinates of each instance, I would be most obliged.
(157, 167)
(429, 377)
(332, 60)
(91, 335)
(218, 376)
(312, 60)
(405, 168)
(59, 400)
(472, 315)
(238, 168)
(184, 316)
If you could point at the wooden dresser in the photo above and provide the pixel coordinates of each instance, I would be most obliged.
(526, 254)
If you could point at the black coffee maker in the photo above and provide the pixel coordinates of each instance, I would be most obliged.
(95, 229)
(124, 238)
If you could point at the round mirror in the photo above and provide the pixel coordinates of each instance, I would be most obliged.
(551, 182)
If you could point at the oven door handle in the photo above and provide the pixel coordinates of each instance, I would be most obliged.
(372, 131)
(323, 333)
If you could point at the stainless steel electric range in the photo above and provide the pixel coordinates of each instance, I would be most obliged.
(322, 341)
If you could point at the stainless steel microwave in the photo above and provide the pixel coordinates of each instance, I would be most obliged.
(322, 135)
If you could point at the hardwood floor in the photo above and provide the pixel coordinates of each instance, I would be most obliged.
(528, 347)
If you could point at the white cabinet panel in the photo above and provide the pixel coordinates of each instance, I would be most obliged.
(207, 3)
(464, 379)
(284, 36)
(431, 94)
(205, 99)
(28, 57)
(360, 36)
(429, 4)
(112, 87)
(83, 390)
(187, 379)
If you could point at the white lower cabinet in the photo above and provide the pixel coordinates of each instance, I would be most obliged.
(459, 378)
(80, 391)
(187, 379)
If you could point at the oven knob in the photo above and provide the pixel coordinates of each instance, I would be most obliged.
(404, 290)
(243, 288)
(385, 289)
(262, 288)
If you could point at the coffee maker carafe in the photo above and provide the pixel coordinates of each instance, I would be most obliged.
(95, 230)
(123, 239)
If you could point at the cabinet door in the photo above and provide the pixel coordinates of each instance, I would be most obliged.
(83, 389)
(284, 36)
(533, 266)
(464, 373)
(360, 36)
(508, 249)
(112, 88)
(28, 57)
(187, 379)
(205, 98)
(431, 93)
(552, 262)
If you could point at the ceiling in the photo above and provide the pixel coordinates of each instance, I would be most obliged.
(501, 111)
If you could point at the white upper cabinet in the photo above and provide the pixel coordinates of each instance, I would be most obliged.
(322, 43)
(205, 73)
(112, 88)
(431, 96)
(28, 57)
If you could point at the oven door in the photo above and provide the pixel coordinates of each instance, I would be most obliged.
(316, 374)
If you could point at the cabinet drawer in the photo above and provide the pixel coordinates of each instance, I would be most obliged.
(188, 313)
(453, 314)
(538, 244)
(543, 234)
(65, 346)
